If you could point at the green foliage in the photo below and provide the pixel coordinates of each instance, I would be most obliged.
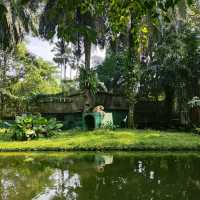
(70, 87)
(27, 127)
(64, 57)
(5, 134)
(22, 76)
(73, 22)
(88, 80)
(111, 72)
(16, 19)
(38, 77)
(154, 29)
(172, 64)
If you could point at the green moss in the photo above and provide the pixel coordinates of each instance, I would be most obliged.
(108, 140)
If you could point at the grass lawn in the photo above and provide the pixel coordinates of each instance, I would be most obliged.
(108, 140)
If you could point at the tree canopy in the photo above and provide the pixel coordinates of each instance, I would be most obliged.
(152, 47)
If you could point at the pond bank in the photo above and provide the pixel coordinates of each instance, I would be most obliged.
(104, 140)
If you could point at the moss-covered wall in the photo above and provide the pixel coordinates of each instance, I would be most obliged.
(75, 120)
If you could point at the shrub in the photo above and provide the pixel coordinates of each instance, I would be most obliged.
(5, 134)
(27, 127)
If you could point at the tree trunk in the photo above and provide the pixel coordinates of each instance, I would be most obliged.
(89, 101)
(131, 56)
(131, 120)
(88, 94)
(77, 73)
(61, 71)
(150, 35)
(87, 49)
(70, 73)
(131, 40)
(65, 71)
(3, 80)
(169, 103)
(1, 106)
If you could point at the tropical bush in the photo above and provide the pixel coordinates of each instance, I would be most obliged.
(28, 126)
(5, 134)
(88, 80)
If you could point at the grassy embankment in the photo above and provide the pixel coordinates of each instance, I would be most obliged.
(108, 140)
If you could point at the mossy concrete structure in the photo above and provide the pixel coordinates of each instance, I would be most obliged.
(71, 109)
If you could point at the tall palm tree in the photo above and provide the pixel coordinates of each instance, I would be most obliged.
(63, 56)
(66, 20)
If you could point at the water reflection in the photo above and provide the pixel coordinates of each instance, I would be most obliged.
(102, 160)
(99, 177)
(63, 187)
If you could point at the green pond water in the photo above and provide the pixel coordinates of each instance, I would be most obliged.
(99, 176)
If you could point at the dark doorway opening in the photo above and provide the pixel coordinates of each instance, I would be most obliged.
(90, 122)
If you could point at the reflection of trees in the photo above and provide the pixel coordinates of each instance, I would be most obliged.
(144, 177)
(36, 178)
(63, 187)
(102, 160)
(21, 180)
(76, 178)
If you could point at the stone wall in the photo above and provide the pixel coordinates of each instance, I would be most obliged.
(76, 103)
